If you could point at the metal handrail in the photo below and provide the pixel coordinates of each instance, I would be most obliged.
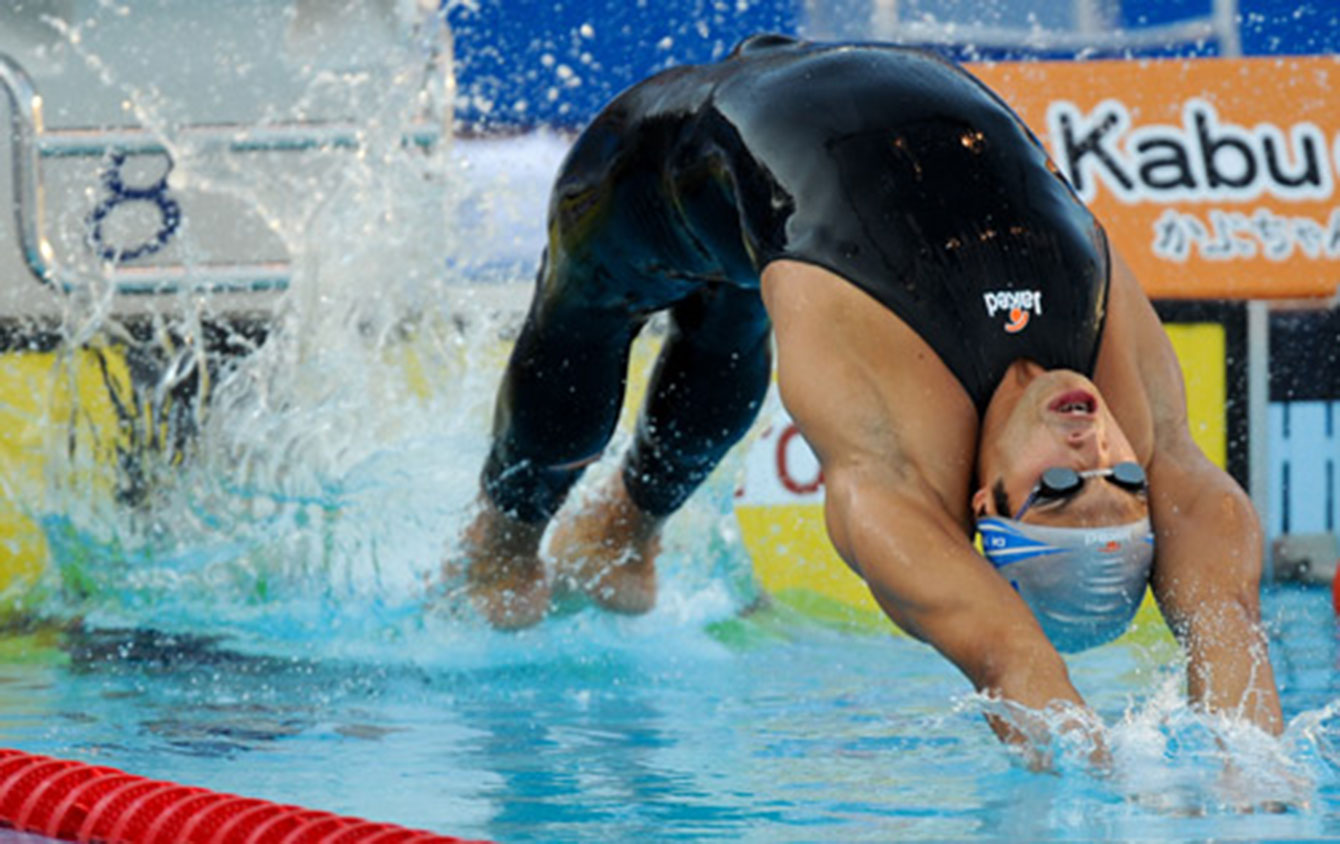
(32, 143)
(25, 123)
(1091, 33)
(232, 137)
(993, 37)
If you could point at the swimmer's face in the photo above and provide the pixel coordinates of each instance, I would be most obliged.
(1038, 419)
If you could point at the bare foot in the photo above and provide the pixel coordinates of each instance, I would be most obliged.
(608, 551)
(505, 579)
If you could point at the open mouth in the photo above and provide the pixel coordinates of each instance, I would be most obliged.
(1075, 403)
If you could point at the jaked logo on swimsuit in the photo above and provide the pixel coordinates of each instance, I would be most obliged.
(1019, 304)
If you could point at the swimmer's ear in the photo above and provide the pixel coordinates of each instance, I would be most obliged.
(981, 503)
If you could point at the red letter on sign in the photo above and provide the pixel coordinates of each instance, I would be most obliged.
(784, 473)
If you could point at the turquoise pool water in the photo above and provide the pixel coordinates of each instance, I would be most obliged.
(766, 728)
(261, 621)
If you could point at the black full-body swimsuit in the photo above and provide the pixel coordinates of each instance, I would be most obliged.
(891, 167)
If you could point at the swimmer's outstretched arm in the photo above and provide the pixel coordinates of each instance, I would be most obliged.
(896, 436)
(1207, 580)
(1208, 549)
(931, 583)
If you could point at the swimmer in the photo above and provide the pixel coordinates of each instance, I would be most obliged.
(955, 341)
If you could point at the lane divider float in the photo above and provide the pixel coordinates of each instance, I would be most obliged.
(75, 801)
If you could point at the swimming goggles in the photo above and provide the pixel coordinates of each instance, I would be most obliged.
(1060, 482)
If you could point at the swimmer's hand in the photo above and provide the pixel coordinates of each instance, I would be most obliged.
(1257, 774)
(1083, 736)
(1205, 764)
(1059, 737)
(1235, 792)
(1272, 788)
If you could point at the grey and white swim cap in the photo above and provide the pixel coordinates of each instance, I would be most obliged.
(1083, 584)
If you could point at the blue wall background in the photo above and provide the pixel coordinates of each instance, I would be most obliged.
(525, 63)
(556, 62)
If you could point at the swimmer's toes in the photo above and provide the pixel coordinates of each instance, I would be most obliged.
(510, 599)
(509, 609)
(630, 590)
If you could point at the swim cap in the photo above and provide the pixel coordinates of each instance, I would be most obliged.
(1083, 584)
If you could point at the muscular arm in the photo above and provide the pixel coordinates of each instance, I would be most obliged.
(926, 576)
(897, 444)
(1208, 537)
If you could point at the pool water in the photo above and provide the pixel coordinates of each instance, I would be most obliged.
(768, 727)
(270, 619)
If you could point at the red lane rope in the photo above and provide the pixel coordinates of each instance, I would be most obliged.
(75, 801)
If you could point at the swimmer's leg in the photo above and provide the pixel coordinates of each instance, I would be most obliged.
(556, 409)
(705, 391)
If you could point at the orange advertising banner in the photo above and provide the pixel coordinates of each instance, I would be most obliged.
(1215, 178)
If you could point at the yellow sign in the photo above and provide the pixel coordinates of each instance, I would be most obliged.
(779, 503)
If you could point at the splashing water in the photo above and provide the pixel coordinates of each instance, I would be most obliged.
(1174, 771)
(325, 470)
